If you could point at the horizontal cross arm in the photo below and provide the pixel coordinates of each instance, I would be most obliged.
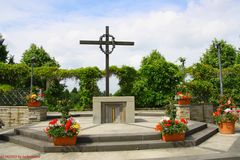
(104, 42)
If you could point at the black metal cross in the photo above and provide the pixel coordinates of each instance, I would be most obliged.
(107, 40)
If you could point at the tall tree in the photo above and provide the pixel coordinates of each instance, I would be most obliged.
(157, 81)
(3, 51)
(229, 55)
(42, 58)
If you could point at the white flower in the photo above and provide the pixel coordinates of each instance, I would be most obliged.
(165, 118)
(227, 110)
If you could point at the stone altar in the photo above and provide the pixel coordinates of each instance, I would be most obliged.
(113, 109)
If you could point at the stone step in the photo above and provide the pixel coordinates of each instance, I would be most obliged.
(203, 135)
(46, 146)
(40, 135)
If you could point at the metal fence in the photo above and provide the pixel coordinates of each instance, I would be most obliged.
(14, 97)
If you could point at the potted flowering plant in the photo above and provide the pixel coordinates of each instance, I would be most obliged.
(63, 132)
(35, 100)
(226, 115)
(183, 98)
(172, 129)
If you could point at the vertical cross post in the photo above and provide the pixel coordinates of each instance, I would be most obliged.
(107, 61)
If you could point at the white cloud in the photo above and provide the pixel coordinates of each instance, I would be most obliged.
(186, 33)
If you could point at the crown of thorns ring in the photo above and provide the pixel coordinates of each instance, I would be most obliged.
(112, 43)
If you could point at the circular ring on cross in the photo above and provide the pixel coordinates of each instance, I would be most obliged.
(109, 42)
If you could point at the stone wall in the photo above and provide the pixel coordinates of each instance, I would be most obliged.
(201, 112)
(19, 115)
(183, 111)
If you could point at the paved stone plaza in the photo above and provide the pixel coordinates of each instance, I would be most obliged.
(218, 146)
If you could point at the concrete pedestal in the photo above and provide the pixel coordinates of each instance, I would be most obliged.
(113, 109)
(183, 111)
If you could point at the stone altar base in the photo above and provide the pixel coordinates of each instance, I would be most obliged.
(183, 111)
(113, 109)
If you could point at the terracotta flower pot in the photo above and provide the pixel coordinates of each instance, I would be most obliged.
(227, 128)
(34, 104)
(174, 137)
(65, 141)
(185, 101)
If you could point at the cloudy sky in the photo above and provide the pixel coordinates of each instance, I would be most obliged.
(176, 28)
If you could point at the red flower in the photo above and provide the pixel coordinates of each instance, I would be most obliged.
(167, 125)
(216, 113)
(158, 127)
(238, 111)
(169, 121)
(176, 121)
(68, 124)
(179, 93)
(54, 121)
(183, 121)
(219, 110)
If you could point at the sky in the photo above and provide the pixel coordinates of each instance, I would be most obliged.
(176, 28)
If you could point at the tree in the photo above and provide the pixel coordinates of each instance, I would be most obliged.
(54, 93)
(42, 58)
(88, 85)
(157, 81)
(229, 55)
(126, 75)
(3, 51)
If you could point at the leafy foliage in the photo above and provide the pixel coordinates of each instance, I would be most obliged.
(228, 54)
(171, 110)
(53, 94)
(201, 90)
(42, 58)
(127, 76)
(88, 85)
(157, 81)
(3, 53)
(15, 75)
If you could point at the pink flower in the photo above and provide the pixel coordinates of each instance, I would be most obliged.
(71, 119)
